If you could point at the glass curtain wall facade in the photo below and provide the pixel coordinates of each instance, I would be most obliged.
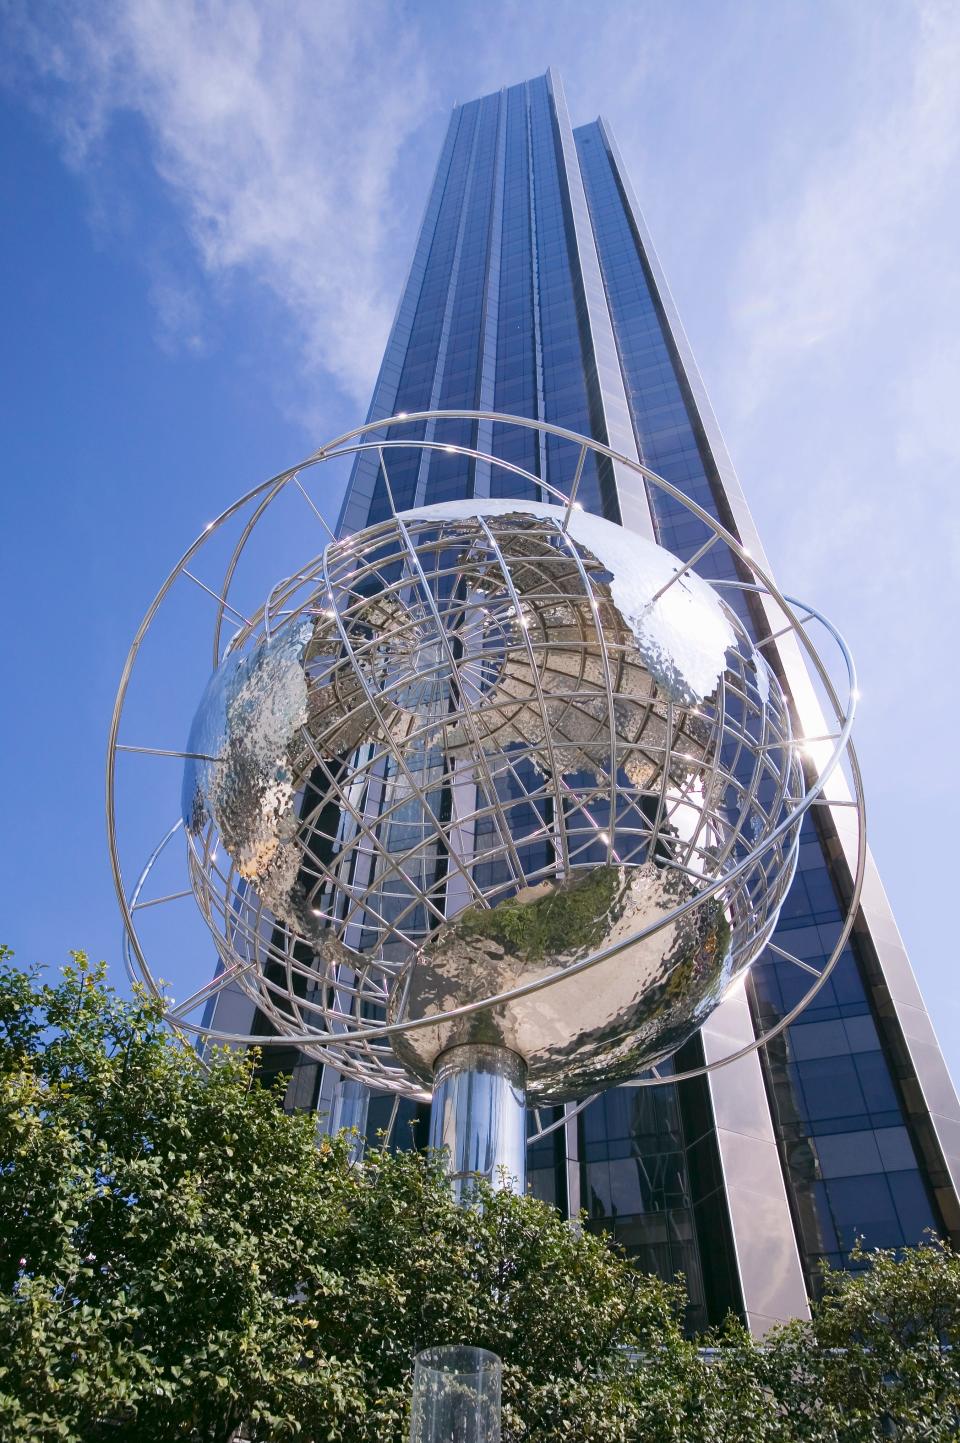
(534, 290)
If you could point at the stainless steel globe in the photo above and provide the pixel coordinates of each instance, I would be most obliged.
(484, 742)
(491, 802)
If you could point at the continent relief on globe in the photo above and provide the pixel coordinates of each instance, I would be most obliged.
(522, 659)
(609, 1021)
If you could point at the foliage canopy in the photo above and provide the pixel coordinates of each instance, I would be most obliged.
(179, 1258)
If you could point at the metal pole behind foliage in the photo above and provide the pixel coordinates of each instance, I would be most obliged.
(456, 1396)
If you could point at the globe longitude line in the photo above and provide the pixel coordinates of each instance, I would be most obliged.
(766, 791)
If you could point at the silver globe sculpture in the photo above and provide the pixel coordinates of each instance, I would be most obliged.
(493, 801)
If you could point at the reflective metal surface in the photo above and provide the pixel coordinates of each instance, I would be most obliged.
(479, 1115)
(465, 709)
(260, 720)
(595, 1028)
(603, 617)
(442, 681)
(248, 724)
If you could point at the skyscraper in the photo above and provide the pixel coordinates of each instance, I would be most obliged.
(535, 290)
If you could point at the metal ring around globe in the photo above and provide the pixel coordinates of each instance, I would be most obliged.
(315, 1040)
(400, 1029)
(275, 485)
(541, 983)
(339, 449)
(649, 1080)
(137, 889)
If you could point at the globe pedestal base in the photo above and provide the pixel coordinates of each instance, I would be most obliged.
(479, 1115)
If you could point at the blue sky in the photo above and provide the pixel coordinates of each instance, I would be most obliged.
(209, 209)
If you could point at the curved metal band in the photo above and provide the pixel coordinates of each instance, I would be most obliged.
(351, 442)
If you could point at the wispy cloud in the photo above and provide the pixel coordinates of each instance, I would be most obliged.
(843, 218)
(928, 404)
(284, 133)
(179, 312)
(277, 129)
(841, 357)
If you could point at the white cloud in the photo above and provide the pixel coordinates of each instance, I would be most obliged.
(842, 224)
(181, 324)
(927, 397)
(284, 135)
(277, 129)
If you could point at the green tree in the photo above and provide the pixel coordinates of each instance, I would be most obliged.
(879, 1359)
(156, 1221)
(560, 1307)
(180, 1257)
(889, 1336)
